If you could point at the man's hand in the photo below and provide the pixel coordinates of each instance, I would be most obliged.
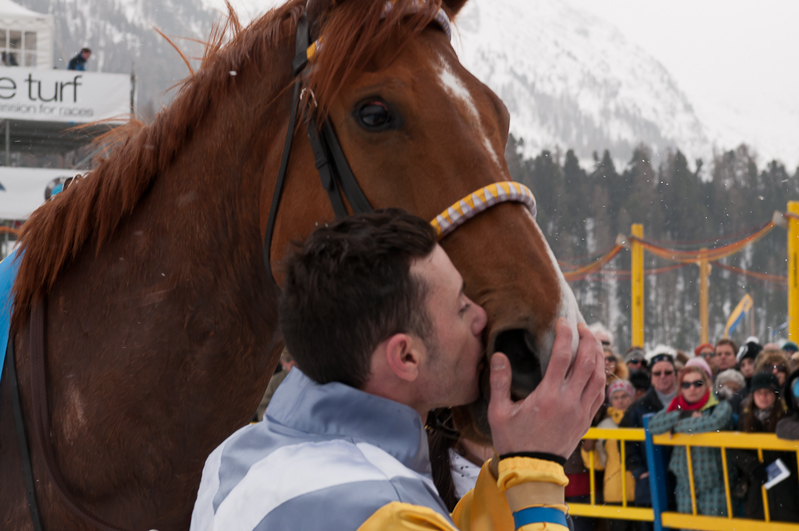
(554, 417)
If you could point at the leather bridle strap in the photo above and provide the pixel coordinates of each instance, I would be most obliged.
(22, 437)
(41, 418)
(337, 178)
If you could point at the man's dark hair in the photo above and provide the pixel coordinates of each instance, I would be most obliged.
(730, 342)
(85, 50)
(348, 287)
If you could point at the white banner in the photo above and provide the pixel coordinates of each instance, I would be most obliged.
(22, 189)
(63, 95)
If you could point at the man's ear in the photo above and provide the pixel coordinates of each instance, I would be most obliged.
(404, 355)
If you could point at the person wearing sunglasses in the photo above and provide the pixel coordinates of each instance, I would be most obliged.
(775, 362)
(696, 410)
(708, 352)
(663, 389)
(634, 359)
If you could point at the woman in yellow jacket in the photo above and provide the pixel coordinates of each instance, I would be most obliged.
(606, 452)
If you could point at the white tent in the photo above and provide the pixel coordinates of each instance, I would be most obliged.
(26, 37)
(22, 189)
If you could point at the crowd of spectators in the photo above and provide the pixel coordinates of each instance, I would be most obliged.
(718, 387)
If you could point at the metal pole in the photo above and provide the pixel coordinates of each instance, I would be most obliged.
(793, 271)
(8, 142)
(704, 272)
(637, 276)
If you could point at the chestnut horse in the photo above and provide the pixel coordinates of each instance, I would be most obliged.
(161, 321)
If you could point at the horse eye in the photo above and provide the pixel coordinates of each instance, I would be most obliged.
(374, 116)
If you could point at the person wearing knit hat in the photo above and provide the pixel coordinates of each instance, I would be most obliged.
(634, 359)
(760, 413)
(702, 364)
(606, 453)
(729, 383)
(706, 351)
(790, 346)
(696, 410)
(746, 359)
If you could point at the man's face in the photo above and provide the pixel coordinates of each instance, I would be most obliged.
(725, 357)
(747, 367)
(86, 55)
(449, 373)
(663, 378)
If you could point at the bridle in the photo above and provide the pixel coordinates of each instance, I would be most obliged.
(339, 183)
(334, 171)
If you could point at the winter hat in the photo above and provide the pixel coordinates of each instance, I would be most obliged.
(730, 375)
(752, 339)
(702, 347)
(768, 358)
(660, 353)
(748, 350)
(702, 364)
(633, 353)
(765, 380)
(790, 346)
(621, 385)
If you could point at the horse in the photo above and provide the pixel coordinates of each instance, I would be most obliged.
(161, 319)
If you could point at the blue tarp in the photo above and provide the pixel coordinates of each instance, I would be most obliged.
(8, 272)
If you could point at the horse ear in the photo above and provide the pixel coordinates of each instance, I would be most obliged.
(453, 6)
(316, 11)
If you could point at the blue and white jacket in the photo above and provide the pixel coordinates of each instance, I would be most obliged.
(333, 457)
(325, 457)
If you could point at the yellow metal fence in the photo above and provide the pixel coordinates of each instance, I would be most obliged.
(659, 515)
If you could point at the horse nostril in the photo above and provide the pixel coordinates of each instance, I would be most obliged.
(519, 346)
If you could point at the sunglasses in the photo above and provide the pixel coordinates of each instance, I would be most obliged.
(605, 343)
(778, 368)
(708, 355)
(610, 359)
(634, 362)
(664, 373)
(697, 384)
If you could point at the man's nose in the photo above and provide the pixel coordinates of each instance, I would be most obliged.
(480, 320)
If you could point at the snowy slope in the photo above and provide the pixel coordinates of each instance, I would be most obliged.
(572, 80)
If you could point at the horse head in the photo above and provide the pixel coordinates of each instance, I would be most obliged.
(420, 132)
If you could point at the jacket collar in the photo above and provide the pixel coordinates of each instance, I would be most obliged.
(338, 410)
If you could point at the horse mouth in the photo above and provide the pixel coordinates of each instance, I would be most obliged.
(519, 346)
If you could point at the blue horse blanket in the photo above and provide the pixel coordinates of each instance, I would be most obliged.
(8, 272)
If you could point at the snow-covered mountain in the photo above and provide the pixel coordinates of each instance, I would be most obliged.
(569, 78)
(572, 80)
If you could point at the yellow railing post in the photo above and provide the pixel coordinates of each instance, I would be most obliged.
(793, 271)
(704, 272)
(690, 463)
(763, 490)
(637, 278)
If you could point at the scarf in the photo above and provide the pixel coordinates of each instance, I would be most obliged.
(679, 403)
(763, 414)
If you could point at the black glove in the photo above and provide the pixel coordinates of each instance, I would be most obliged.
(759, 475)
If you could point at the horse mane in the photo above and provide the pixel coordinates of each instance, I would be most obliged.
(93, 208)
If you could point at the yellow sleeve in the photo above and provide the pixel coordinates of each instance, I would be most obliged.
(485, 507)
(398, 516)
